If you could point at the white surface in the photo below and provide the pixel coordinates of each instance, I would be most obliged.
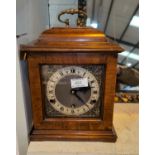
(31, 18)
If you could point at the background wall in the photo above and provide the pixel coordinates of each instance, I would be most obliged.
(56, 6)
(32, 19)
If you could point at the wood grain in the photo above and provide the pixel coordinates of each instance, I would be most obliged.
(72, 47)
(71, 40)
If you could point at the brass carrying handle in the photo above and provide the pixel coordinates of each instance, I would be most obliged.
(72, 11)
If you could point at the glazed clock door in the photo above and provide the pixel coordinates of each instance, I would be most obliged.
(72, 94)
(72, 91)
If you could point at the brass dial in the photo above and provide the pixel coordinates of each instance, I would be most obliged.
(69, 101)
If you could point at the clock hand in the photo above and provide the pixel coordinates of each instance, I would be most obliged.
(74, 93)
(80, 89)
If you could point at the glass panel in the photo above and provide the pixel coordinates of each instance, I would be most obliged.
(62, 100)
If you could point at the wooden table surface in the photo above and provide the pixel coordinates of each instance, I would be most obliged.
(126, 121)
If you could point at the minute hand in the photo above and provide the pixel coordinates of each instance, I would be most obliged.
(79, 98)
(74, 93)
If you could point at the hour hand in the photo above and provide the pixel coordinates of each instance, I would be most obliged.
(80, 89)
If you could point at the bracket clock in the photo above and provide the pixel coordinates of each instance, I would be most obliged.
(72, 75)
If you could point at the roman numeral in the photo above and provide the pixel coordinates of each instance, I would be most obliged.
(72, 111)
(93, 102)
(84, 109)
(51, 91)
(62, 108)
(72, 70)
(92, 81)
(61, 73)
(52, 101)
(95, 91)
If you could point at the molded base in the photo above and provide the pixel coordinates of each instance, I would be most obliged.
(70, 135)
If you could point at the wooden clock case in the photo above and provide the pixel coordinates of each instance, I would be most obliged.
(72, 46)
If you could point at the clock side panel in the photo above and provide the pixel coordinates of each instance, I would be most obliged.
(109, 91)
